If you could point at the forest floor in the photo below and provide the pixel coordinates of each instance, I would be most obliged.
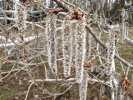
(15, 88)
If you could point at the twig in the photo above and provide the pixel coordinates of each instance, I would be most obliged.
(104, 46)
(73, 6)
(28, 90)
(12, 75)
(87, 63)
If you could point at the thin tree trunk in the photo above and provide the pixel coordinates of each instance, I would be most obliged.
(51, 4)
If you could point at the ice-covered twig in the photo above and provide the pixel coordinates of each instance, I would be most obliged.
(67, 46)
(18, 42)
(80, 49)
(129, 40)
(50, 32)
(104, 46)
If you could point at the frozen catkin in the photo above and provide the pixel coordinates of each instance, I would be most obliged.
(20, 18)
(80, 49)
(83, 86)
(50, 32)
(67, 46)
(111, 63)
(111, 50)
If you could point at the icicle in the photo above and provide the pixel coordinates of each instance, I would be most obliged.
(80, 49)
(50, 32)
(83, 86)
(67, 47)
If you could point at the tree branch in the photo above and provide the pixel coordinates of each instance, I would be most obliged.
(104, 46)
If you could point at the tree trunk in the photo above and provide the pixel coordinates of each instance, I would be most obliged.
(117, 6)
(51, 4)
